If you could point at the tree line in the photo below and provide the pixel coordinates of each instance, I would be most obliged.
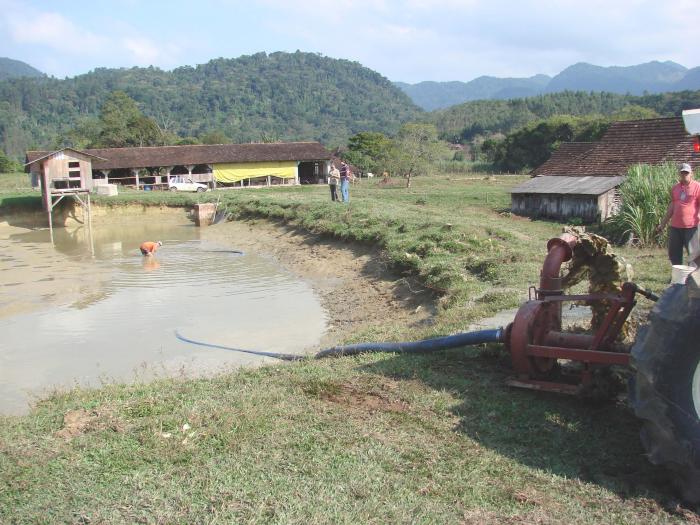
(280, 96)
(301, 96)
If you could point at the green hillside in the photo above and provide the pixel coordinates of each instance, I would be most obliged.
(285, 96)
(10, 68)
(485, 117)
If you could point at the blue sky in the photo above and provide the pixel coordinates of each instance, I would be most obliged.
(404, 40)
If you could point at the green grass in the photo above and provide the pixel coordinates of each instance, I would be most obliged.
(372, 439)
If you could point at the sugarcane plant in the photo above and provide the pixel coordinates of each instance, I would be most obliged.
(644, 197)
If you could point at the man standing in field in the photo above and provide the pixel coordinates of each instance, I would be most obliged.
(149, 248)
(345, 178)
(684, 214)
(333, 180)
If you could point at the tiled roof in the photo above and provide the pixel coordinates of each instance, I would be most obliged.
(117, 158)
(626, 143)
(562, 157)
(568, 185)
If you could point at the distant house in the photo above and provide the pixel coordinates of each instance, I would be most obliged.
(580, 179)
(150, 167)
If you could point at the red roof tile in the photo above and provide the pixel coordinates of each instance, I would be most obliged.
(626, 143)
(117, 158)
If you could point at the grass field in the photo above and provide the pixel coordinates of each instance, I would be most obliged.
(371, 439)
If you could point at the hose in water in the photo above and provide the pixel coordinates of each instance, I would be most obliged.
(416, 347)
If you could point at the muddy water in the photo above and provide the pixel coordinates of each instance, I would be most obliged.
(70, 317)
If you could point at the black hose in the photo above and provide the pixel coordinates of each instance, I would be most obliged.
(423, 346)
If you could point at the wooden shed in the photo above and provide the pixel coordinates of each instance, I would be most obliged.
(589, 198)
(63, 171)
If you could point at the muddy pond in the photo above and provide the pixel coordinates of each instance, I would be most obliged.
(85, 313)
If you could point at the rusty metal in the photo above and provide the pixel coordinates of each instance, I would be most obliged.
(537, 343)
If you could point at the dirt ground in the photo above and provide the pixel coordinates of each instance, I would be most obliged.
(353, 282)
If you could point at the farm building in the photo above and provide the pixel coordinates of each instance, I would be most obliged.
(589, 198)
(151, 167)
(580, 179)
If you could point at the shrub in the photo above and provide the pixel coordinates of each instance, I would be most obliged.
(644, 198)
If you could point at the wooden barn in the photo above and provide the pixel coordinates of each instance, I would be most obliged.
(580, 179)
(591, 199)
(229, 164)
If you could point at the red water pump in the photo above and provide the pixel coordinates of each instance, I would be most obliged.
(536, 341)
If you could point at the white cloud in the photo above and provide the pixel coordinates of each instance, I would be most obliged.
(410, 40)
(143, 51)
(54, 31)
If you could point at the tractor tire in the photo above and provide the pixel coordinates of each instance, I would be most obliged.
(665, 391)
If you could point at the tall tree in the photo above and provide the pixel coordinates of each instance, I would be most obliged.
(367, 150)
(415, 148)
(123, 125)
(8, 165)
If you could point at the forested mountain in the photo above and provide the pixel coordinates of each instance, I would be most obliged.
(651, 77)
(435, 95)
(486, 117)
(10, 68)
(285, 96)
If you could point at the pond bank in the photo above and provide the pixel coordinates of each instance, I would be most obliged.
(71, 300)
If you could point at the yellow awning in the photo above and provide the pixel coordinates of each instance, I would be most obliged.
(250, 170)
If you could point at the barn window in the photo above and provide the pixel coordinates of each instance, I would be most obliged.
(74, 164)
(74, 173)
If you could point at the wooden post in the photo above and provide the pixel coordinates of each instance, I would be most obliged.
(51, 219)
(89, 218)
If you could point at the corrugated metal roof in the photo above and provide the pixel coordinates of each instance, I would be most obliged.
(569, 185)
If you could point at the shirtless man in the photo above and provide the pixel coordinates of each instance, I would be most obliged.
(149, 247)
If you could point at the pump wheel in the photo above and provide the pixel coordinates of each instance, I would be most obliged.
(666, 390)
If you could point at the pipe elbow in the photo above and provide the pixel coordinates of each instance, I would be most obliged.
(559, 250)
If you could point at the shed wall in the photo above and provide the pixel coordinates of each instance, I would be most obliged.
(556, 206)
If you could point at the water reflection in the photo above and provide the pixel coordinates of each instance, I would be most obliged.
(68, 317)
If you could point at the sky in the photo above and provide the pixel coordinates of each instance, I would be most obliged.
(403, 40)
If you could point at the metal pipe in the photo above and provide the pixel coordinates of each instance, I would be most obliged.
(559, 250)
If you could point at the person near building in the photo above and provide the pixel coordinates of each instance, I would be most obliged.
(684, 215)
(333, 181)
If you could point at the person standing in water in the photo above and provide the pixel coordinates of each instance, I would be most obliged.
(149, 247)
